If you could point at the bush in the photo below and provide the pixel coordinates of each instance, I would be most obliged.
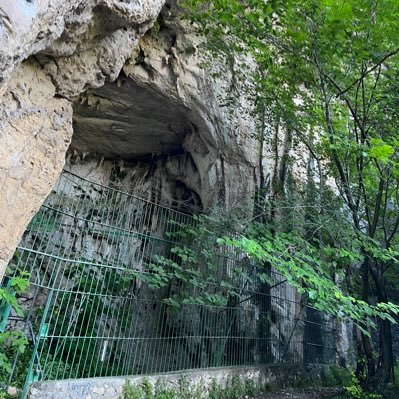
(235, 388)
(336, 376)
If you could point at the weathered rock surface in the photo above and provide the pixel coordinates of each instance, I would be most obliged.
(88, 36)
(71, 45)
(35, 134)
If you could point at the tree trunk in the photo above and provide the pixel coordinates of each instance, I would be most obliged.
(385, 363)
(366, 348)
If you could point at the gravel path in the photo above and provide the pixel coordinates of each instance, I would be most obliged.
(311, 393)
(317, 393)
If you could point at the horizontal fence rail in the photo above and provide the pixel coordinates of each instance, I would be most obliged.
(91, 312)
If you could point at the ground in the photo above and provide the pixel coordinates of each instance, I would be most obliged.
(392, 393)
(317, 393)
(311, 393)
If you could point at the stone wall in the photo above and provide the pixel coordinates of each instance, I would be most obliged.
(112, 387)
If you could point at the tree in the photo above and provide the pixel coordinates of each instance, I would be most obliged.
(328, 70)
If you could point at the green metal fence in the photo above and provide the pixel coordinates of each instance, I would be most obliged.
(89, 313)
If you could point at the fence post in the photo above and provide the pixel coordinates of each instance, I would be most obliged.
(33, 375)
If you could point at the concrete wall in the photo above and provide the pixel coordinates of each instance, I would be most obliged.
(112, 387)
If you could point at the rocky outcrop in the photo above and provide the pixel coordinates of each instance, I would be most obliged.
(88, 38)
(35, 133)
(93, 74)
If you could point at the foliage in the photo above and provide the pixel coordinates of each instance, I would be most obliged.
(202, 270)
(12, 342)
(4, 394)
(335, 376)
(145, 390)
(356, 391)
(327, 71)
(341, 377)
(236, 388)
(19, 375)
(396, 374)
(202, 277)
(308, 268)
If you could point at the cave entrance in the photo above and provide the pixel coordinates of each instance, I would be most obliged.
(136, 137)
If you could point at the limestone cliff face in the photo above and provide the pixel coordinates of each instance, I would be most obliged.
(91, 73)
(35, 133)
(84, 44)
(164, 106)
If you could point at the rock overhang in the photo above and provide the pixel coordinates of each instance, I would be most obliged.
(123, 120)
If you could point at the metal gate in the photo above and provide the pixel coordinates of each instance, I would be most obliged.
(92, 312)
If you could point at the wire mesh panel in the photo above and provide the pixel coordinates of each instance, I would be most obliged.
(92, 312)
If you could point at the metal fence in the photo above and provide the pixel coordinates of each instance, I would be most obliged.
(90, 312)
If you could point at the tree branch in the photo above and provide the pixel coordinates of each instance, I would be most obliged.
(368, 71)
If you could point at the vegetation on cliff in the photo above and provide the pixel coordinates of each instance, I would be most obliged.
(327, 73)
